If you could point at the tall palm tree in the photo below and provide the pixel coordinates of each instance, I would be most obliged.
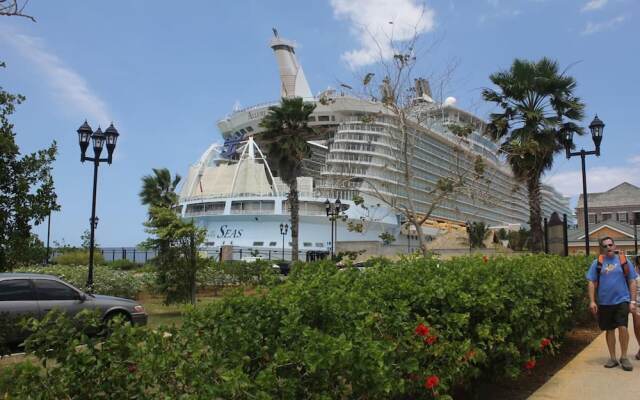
(285, 136)
(159, 189)
(538, 107)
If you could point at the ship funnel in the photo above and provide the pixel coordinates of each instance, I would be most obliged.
(293, 81)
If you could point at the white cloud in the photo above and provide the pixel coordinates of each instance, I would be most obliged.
(71, 88)
(595, 27)
(599, 179)
(375, 22)
(593, 5)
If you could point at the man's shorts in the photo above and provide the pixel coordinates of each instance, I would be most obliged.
(612, 316)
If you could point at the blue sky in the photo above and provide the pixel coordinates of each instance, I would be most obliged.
(165, 71)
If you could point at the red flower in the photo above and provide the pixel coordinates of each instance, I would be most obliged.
(544, 343)
(132, 368)
(422, 330)
(485, 259)
(531, 364)
(431, 339)
(431, 381)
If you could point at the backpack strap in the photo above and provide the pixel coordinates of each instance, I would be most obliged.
(625, 265)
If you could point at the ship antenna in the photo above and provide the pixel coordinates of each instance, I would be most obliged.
(275, 32)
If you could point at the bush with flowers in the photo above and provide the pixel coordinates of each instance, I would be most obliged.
(417, 328)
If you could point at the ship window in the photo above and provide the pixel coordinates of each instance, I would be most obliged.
(243, 131)
(307, 244)
(323, 118)
(319, 245)
(273, 244)
(209, 243)
(258, 243)
(249, 129)
(194, 208)
(311, 118)
(333, 117)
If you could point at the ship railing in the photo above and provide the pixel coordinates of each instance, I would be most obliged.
(251, 108)
(234, 196)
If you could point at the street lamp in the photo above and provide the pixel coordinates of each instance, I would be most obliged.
(283, 231)
(597, 127)
(333, 212)
(98, 138)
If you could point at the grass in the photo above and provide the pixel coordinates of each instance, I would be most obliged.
(172, 314)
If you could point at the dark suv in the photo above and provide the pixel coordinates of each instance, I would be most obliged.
(33, 295)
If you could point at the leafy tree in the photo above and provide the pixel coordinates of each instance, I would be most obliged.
(285, 135)
(85, 240)
(477, 232)
(536, 100)
(519, 240)
(178, 260)
(159, 189)
(387, 238)
(27, 194)
(175, 240)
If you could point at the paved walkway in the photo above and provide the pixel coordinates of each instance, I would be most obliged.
(585, 378)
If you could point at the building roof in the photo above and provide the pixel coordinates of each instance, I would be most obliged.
(577, 235)
(625, 194)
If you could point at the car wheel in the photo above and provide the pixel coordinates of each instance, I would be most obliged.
(114, 318)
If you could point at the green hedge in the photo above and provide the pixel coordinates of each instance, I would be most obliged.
(414, 329)
(78, 257)
(106, 280)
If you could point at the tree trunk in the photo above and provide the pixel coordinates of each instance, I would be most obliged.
(423, 243)
(295, 219)
(535, 213)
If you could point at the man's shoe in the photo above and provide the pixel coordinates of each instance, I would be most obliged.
(626, 364)
(611, 363)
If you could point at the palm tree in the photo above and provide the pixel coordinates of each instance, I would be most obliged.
(538, 107)
(159, 190)
(285, 132)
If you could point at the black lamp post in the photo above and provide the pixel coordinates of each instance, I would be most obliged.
(110, 137)
(597, 127)
(283, 231)
(333, 212)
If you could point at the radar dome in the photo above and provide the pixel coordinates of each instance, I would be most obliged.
(450, 101)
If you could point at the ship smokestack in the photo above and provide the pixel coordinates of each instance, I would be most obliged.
(293, 81)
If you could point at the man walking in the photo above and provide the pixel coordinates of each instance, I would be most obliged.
(612, 295)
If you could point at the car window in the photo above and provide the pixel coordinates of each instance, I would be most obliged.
(52, 290)
(16, 290)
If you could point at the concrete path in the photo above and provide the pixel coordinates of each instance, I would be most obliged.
(585, 378)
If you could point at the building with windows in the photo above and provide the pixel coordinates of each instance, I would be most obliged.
(617, 204)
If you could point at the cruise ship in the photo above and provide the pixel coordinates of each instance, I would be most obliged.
(233, 193)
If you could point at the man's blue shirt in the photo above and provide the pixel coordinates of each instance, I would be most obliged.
(612, 288)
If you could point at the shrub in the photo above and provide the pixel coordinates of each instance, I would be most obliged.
(413, 329)
(79, 257)
(106, 281)
(123, 265)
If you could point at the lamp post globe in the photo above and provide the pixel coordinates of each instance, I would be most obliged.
(112, 138)
(84, 135)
